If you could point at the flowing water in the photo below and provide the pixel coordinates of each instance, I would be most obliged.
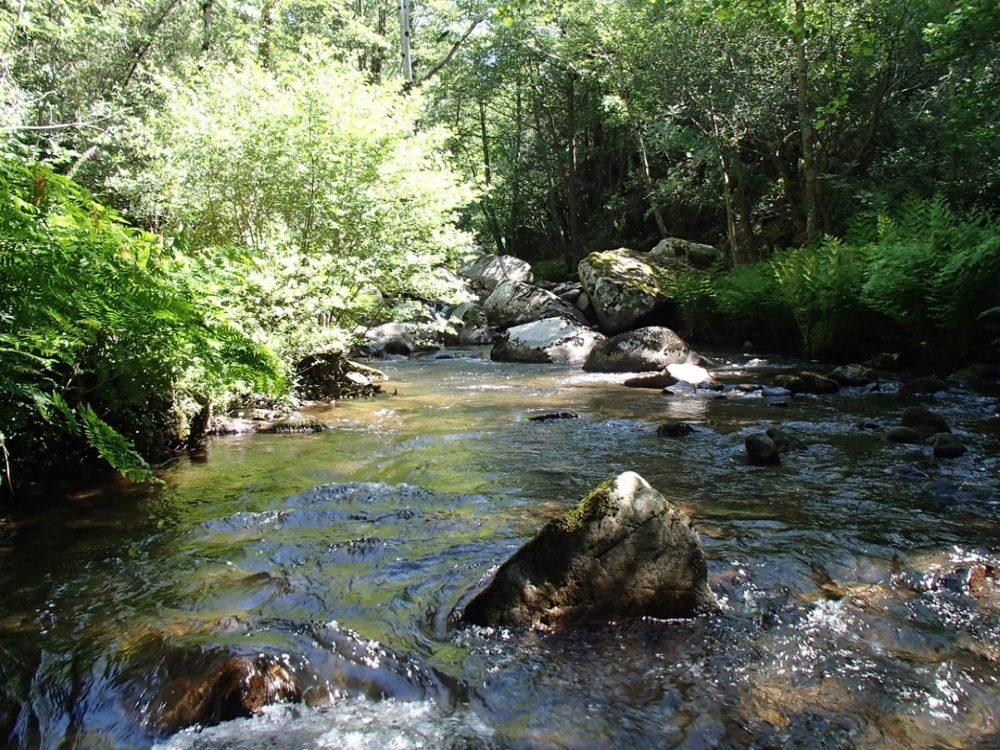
(335, 560)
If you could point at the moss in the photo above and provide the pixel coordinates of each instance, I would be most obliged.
(594, 506)
(634, 269)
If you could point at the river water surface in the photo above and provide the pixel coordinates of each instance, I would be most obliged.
(338, 558)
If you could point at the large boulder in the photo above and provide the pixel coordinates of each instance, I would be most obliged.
(556, 340)
(624, 551)
(467, 326)
(513, 303)
(642, 350)
(330, 375)
(694, 253)
(490, 270)
(623, 286)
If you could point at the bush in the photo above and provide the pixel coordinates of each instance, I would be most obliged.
(299, 205)
(822, 288)
(937, 275)
(99, 330)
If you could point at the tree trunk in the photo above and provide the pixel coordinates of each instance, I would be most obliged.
(514, 179)
(266, 25)
(207, 9)
(404, 29)
(810, 173)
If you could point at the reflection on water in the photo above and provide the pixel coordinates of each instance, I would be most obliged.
(334, 560)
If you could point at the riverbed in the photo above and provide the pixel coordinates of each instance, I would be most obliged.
(855, 612)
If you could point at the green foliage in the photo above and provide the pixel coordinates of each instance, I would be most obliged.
(937, 274)
(751, 301)
(97, 328)
(822, 288)
(296, 207)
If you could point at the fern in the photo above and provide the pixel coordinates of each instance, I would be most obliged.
(114, 448)
(98, 326)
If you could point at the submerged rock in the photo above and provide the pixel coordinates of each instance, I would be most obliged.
(658, 380)
(854, 375)
(554, 415)
(808, 382)
(674, 429)
(233, 688)
(904, 436)
(924, 421)
(624, 551)
(922, 387)
(642, 350)
(947, 445)
(555, 340)
(761, 449)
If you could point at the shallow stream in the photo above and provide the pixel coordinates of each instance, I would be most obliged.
(337, 559)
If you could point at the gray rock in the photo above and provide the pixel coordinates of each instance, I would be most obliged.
(674, 429)
(783, 441)
(904, 435)
(551, 340)
(697, 254)
(884, 361)
(467, 326)
(853, 375)
(761, 450)
(624, 551)
(623, 286)
(658, 380)
(490, 270)
(807, 382)
(514, 303)
(922, 387)
(642, 350)
(947, 445)
(924, 421)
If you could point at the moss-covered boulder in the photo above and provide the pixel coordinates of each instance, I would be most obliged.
(624, 286)
(330, 375)
(624, 551)
(854, 375)
(807, 382)
(694, 253)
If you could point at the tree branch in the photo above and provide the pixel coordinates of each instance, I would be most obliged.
(451, 53)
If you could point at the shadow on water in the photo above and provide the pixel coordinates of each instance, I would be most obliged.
(323, 569)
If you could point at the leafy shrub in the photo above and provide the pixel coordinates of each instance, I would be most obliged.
(98, 329)
(822, 288)
(753, 306)
(298, 205)
(937, 275)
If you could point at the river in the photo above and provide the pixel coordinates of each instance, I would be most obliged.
(338, 558)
